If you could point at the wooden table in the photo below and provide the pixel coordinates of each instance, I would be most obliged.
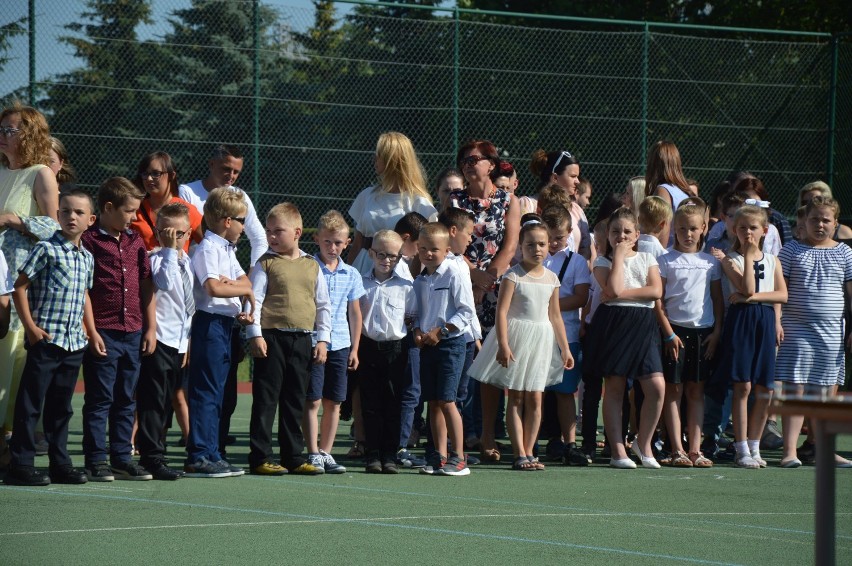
(829, 417)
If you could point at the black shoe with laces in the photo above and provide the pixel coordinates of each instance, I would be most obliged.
(130, 471)
(160, 471)
(99, 471)
(574, 456)
(29, 477)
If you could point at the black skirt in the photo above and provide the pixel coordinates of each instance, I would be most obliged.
(624, 342)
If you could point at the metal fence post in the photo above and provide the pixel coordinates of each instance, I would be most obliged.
(645, 39)
(255, 16)
(31, 20)
(832, 110)
(456, 82)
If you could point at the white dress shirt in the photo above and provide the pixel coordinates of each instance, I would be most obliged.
(173, 324)
(215, 257)
(386, 305)
(196, 194)
(444, 299)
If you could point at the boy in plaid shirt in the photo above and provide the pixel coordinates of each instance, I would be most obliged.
(57, 274)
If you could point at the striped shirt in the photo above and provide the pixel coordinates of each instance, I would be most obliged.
(344, 285)
(59, 274)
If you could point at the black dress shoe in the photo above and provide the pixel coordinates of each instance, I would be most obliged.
(162, 472)
(68, 475)
(29, 477)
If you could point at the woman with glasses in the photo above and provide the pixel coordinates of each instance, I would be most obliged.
(29, 200)
(563, 169)
(157, 176)
(496, 215)
(401, 188)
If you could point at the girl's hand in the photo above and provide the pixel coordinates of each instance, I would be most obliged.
(620, 250)
(717, 253)
(710, 344)
(505, 355)
(607, 296)
(750, 247)
(567, 359)
(737, 298)
(779, 334)
(673, 347)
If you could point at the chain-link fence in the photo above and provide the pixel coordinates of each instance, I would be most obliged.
(306, 92)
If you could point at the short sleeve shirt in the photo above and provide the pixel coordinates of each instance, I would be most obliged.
(635, 276)
(687, 290)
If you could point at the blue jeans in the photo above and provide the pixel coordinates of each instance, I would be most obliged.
(109, 400)
(209, 362)
(440, 369)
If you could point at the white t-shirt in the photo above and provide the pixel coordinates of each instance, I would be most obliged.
(651, 245)
(576, 273)
(374, 210)
(687, 287)
(635, 276)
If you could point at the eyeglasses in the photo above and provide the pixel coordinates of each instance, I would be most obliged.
(153, 174)
(472, 159)
(240, 219)
(8, 131)
(382, 256)
(178, 234)
(558, 159)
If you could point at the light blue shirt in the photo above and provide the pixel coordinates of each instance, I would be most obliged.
(344, 284)
(443, 298)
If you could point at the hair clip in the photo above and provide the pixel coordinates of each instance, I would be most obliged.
(687, 203)
(757, 202)
(529, 222)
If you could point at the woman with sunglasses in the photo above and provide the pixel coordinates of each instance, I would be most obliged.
(401, 189)
(563, 169)
(157, 176)
(29, 200)
(496, 214)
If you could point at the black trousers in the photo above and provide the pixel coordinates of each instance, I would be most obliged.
(280, 383)
(49, 377)
(159, 375)
(382, 379)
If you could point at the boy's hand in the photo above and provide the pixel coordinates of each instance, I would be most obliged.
(184, 360)
(36, 335)
(226, 280)
(418, 337)
(432, 337)
(320, 353)
(352, 363)
(168, 237)
(244, 319)
(97, 346)
(477, 345)
(149, 341)
(257, 347)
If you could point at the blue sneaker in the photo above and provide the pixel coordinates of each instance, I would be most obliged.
(204, 468)
(233, 471)
(434, 464)
(330, 466)
(406, 459)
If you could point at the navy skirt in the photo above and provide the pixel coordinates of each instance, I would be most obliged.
(748, 346)
(623, 342)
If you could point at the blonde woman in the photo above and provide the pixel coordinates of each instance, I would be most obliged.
(401, 189)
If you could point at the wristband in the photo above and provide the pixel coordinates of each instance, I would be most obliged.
(670, 338)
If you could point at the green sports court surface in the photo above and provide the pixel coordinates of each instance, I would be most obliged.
(591, 515)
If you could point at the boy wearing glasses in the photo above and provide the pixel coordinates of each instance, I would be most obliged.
(121, 325)
(162, 371)
(328, 385)
(291, 300)
(220, 290)
(383, 351)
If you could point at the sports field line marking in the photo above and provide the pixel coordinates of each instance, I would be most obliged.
(382, 523)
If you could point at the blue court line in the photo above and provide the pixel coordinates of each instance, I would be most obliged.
(538, 505)
(488, 536)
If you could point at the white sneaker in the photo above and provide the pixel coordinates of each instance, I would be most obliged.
(622, 463)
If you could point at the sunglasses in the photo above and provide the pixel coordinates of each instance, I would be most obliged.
(472, 159)
(240, 219)
(8, 131)
(558, 159)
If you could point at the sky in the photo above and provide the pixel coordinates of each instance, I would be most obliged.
(54, 57)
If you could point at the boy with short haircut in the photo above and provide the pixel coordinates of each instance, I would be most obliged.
(655, 216)
(221, 289)
(291, 300)
(383, 351)
(162, 371)
(121, 324)
(329, 380)
(445, 311)
(51, 294)
(572, 270)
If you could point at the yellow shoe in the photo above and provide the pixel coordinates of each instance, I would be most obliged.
(307, 469)
(269, 469)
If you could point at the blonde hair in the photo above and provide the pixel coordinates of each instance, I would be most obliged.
(387, 236)
(750, 211)
(403, 170)
(823, 201)
(33, 139)
(288, 212)
(636, 188)
(693, 206)
(223, 202)
(332, 221)
(434, 230)
(823, 188)
(652, 212)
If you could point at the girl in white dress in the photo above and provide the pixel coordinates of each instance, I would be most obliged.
(522, 354)
(401, 189)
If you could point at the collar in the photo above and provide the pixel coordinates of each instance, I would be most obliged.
(219, 240)
(445, 265)
(394, 275)
(342, 266)
(98, 231)
(63, 242)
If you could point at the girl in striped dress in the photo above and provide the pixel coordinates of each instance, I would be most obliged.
(811, 357)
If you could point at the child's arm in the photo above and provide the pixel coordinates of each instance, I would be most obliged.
(779, 330)
(149, 315)
(733, 273)
(652, 290)
(559, 329)
(259, 280)
(246, 318)
(22, 305)
(779, 295)
(671, 341)
(577, 300)
(355, 323)
(323, 323)
(96, 343)
(712, 342)
(501, 324)
(224, 288)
